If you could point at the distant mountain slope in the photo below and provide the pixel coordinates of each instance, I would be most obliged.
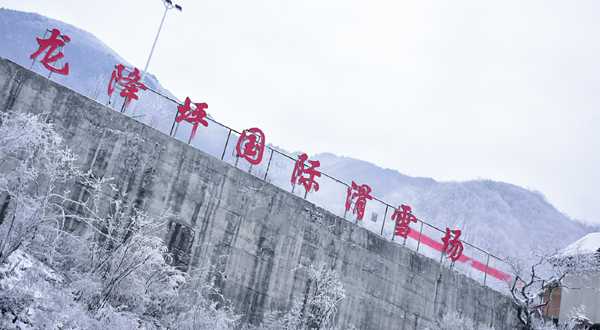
(493, 215)
(87, 56)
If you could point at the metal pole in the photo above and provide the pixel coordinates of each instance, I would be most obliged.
(394, 230)
(345, 207)
(268, 165)
(173, 126)
(420, 233)
(32, 63)
(167, 7)
(226, 143)
(384, 215)
(486, 268)
(123, 109)
(176, 128)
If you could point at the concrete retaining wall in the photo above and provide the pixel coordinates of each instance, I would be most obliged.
(255, 233)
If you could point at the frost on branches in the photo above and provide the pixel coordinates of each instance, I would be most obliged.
(454, 321)
(542, 272)
(32, 163)
(111, 273)
(316, 309)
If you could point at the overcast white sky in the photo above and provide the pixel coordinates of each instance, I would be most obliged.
(453, 90)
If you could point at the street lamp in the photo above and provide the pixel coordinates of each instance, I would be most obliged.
(168, 5)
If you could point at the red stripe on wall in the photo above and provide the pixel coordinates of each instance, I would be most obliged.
(463, 258)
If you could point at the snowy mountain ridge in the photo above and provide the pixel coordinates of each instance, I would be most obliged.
(493, 215)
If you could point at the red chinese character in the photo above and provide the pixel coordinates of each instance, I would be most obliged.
(252, 149)
(52, 44)
(403, 219)
(300, 171)
(452, 246)
(195, 116)
(361, 195)
(130, 83)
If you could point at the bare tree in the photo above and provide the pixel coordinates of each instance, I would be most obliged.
(113, 272)
(97, 86)
(545, 270)
(32, 163)
(155, 110)
(454, 321)
(315, 309)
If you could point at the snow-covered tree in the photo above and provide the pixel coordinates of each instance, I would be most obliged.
(97, 86)
(315, 309)
(542, 271)
(32, 163)
(455, 321)
(155, 110)
(111, 271)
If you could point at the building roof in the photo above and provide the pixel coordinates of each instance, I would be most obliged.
(587, 244)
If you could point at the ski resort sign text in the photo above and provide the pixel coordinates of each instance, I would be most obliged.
(251, 146)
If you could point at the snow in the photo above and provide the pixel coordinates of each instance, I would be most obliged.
(587, 244)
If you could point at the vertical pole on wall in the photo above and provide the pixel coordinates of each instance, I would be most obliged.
(384, 216)
(32, 63)
(172, 126)
(268, 165)
(305, 193)
(226, 143)
(420, 233)
(176, 128)
(394, 230)
(123, 106)
(486, 268)
(442, 256)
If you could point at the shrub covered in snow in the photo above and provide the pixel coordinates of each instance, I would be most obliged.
(114, 274)
(454, 321)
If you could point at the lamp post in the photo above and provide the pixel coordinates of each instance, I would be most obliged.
(168, 5)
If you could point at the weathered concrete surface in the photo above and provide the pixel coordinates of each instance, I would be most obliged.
(255, 233)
